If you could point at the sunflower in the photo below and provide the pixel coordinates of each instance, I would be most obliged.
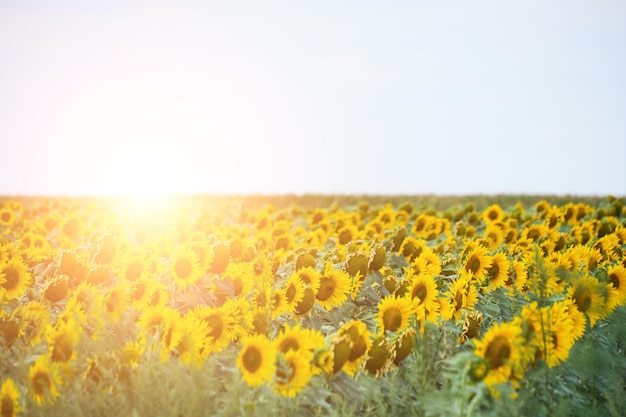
(557, 334)
(411, 247)
(152, 320)
(241, 275)
(304, 341)
(135, 267)
(477, 263)
(185, 267)
(500, 348)
(378, 357)
(498, 272)
(589, 297)
(7, 217)
(189, 349)
(310, 277)
(279, 303)
(378, 256)
(160, 295)
(359, 342)
(334, 288)
(394, 314)
(44, 381)
(242, 314)
(387, 216)
(140, 293)
(518, 280)
(293, 372)
(294, 292)
(108, 250)
(204, 252)
(9, 399)
(14, 278)
(257, 360)
(427, 262)
(423, 291)
(493, 214)
(173, 332)
(495, 235)
(463, 295)
(57, 288)
(403, 345)
(579, 320)
(347, 234)
(446, 308)
(219, 326)
(62, 341)
(617, 280)
(471, 325)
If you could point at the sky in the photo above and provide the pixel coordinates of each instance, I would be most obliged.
(334, 97)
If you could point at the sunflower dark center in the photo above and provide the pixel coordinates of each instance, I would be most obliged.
(473, 264)
(252, 359)
(420, 292)
(216, 325)
(62, 350)
(12, 277)
(582, 296)
(392, 319)
(41, 382)
(498, 351)
(613, 279)
(183, 267)
(290, 293)
(327, 288)
(494, 271)
(134, 271)
(6, 408)
(289, 344)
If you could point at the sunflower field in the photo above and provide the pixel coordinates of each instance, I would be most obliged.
(229, 306)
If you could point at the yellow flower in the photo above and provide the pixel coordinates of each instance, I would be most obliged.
(241, 275)
(493, 214)
(589, 297)
(559, 334)
(257, 360)
(62, 341)
(115, 302)
(463, 295)
(7, 217)
(334, 288)
(294, 292)
(9, 399)
(358, 338)
(498, 272)
(304, 341)
(477, 263)
(185, 267)
(140, 293)
(219, 326)
(394, 314)
(14, 278)
(44, 381)
(423, 290)
(500, 348)
(617, 279)
(189, 349)
(378, 357)
(292, 374)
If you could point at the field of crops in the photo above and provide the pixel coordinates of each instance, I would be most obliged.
(322, 305)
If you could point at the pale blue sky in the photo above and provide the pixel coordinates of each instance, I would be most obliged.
(431, 96)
